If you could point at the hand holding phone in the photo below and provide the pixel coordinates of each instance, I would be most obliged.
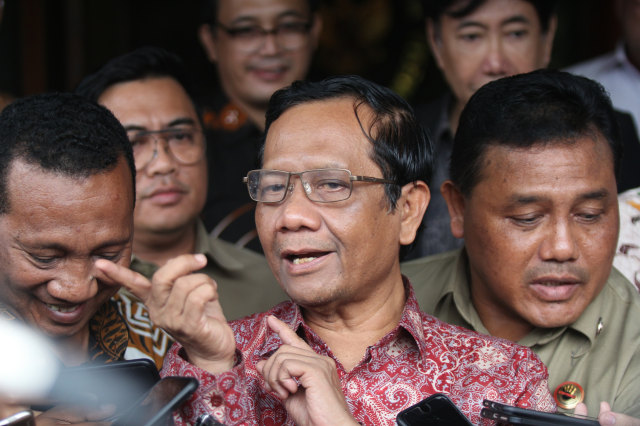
(521, 416)
(157, 405)
(436, 410)
(22, 418)
(118, 384)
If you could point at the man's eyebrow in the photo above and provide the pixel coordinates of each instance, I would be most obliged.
(66, 249)
(40, 246)
(517, 19)
(116, 242)
(255, 20)
(245, 20)
(175, 122)
(471, 24)
(599, 194)
(181, 121)
(134, 127)
(519, 199)
(291, 14)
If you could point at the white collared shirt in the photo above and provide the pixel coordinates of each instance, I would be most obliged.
(618, 76)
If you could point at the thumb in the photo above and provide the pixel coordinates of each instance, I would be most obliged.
(606, 417)
(133, 281)
(287, 335)
(581, 409)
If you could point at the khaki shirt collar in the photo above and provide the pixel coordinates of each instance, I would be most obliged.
(586, 324)
(462, 293)
(213, 248)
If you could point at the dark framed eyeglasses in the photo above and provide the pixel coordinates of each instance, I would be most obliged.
(320, 185)
(186, 145)
(251, 38)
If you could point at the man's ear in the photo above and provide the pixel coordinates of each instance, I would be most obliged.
(435, 43)
(455, 204)
(208, 42)
(316, 30)
(412, 204)
(548, 40)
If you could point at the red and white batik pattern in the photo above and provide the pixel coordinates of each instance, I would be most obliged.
(627, 259)
(422, 356)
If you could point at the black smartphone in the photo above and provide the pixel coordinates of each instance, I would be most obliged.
(155, 408)
(118, 384)
(22, 418)
(437, 410)
(522, 416)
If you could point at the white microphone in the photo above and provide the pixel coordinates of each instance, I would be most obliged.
(28, 366)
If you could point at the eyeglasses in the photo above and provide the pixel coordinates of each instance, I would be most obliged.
(251, 38)
(320, 185)
(185, 145)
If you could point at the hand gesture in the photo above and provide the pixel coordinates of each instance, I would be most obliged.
(307, 382)
(185, 304)
(75, 416)
(608, 417)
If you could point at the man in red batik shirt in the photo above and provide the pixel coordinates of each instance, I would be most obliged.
(340, 197)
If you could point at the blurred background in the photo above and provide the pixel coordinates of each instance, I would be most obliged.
(49, 45)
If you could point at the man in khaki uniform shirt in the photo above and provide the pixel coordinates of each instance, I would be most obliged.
(533, 194)
(147, 90)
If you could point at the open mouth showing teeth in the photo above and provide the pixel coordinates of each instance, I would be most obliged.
(63, 309)
(301, 260)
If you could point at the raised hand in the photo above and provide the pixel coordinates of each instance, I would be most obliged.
(307, 383)
(185, 304)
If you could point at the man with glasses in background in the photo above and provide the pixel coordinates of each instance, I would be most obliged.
(258, 47)
(340, 196)
(474, 42)
(148, 91)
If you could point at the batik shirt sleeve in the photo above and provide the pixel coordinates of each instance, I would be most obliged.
(627, 259)
(238, 396)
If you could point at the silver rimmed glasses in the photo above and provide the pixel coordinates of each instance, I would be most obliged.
(320, 185)
(186, 145)
(251, 38)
